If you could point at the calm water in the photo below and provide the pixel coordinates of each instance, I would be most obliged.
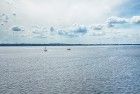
(83, 70)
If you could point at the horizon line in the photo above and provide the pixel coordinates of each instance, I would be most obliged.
(57, 44)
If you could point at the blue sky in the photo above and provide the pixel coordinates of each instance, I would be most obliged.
(70, 21)
(130, 8)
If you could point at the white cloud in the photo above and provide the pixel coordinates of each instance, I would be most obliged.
(79, 29)
(135, 19)
(116, 20)
(72, 31)
(76, 30)
(52, 13)
(97, 27)
(4, 18)
(65, 12)
(112, 21)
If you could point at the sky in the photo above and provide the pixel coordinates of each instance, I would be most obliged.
(70, 21)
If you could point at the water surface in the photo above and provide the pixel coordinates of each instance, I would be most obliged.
(82, 70)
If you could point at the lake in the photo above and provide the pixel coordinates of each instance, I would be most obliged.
(81, 70)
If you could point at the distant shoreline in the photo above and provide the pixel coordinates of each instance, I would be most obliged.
(64, 44)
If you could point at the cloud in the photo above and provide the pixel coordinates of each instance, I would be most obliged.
(4, 18)
(116, 20)
(76, 31)
(16, 28)
(72, 31)
(52, 13)
(62, 32)
(97, 27)
(112, 21)
(98, 33)
(135, 19)
(63, 12)
(52, 29)
(79, 29)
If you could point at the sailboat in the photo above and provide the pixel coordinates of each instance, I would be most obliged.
(45, 49)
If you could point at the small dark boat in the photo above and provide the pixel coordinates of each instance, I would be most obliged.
(68, 49)
(45, 49)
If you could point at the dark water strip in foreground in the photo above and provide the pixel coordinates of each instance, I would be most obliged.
(64, 44)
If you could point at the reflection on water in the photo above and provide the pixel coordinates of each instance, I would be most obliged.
(83, 70)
